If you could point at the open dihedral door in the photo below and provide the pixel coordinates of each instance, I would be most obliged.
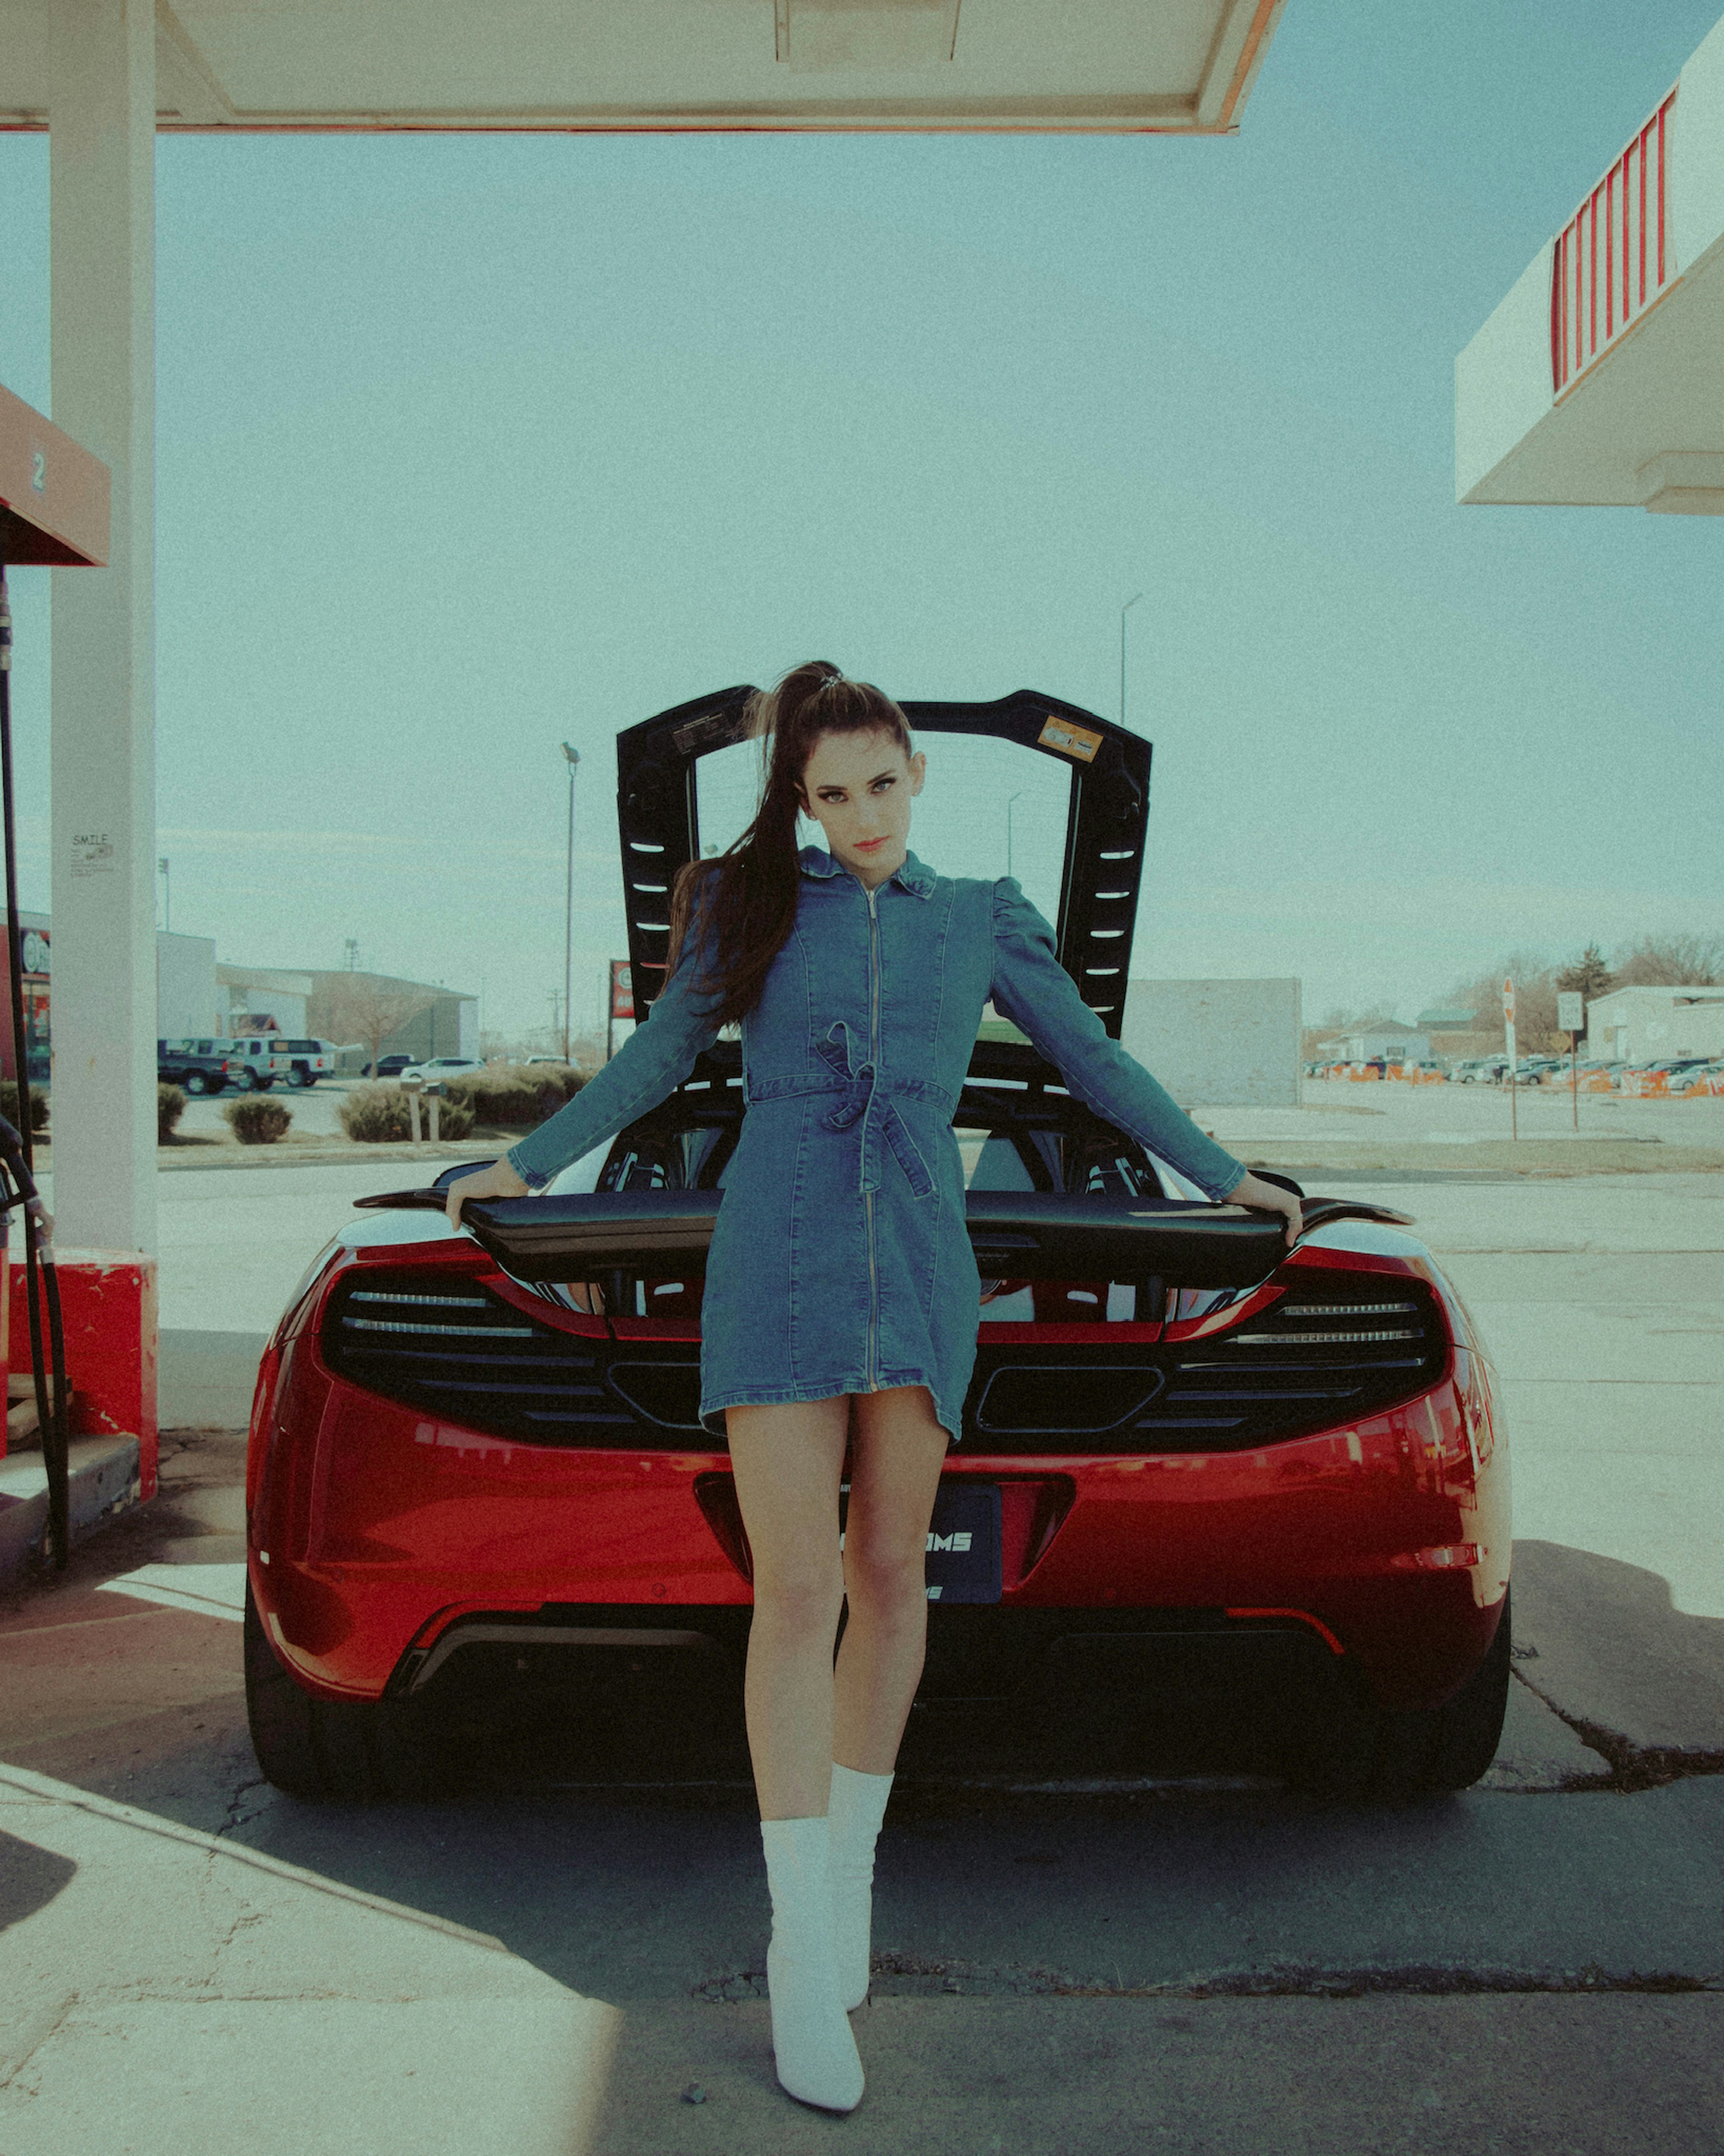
(659, 822)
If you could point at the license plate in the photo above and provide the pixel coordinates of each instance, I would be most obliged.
(964, 1559)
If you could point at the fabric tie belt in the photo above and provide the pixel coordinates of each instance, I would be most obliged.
(868, 1099)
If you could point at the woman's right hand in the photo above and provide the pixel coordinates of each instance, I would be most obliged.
(498, 1180)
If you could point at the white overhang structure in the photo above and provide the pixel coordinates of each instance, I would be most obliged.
(105, 76)
(1599, 380)
(1172, 66)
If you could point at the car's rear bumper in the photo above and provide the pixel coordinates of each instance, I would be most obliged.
(374, 1530)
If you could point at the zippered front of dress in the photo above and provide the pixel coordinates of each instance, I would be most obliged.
(872, 1354)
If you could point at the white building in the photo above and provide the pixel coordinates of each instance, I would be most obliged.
(1643, 1025)
(185, 1000)
(1217, 1043)
(1599, 379)
(1389, 1039)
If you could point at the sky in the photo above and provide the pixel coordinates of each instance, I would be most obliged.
(469, 446)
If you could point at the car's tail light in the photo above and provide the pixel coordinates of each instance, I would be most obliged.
(444, 1342)
(1317, 1357)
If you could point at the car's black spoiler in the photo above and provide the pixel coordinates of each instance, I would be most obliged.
(1016, 1235)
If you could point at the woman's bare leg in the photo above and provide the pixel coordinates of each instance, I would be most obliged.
(898, 1450)
(787, 1460)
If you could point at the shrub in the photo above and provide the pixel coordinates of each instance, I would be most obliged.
(378, 1115)
(170, 1106)
(256, 1120)
(9, 1104)
(516, 1096)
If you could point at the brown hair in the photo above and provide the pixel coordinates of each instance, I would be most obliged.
(738, 910)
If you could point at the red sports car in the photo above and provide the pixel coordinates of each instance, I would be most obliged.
(1214, 1502)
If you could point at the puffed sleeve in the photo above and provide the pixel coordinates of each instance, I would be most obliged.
(649, 1067)
(1034, 990)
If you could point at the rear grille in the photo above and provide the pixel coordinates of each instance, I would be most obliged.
(1310, 1362)
(1307, 1363)
(458, 1352)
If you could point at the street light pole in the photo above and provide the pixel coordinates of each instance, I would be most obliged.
(1018, 796)
(568, 911)
(1124, 611)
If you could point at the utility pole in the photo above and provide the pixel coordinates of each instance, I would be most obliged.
(1124, 611)
(568, 909)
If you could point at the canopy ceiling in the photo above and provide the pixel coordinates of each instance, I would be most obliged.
(1097, 66)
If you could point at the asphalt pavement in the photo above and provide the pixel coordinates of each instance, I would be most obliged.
(1091, 1961)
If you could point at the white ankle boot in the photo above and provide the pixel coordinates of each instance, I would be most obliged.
(857, 1804)
(816, 2052)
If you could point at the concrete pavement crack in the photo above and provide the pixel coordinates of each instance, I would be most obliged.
(898, 1975)
(1633, 1768)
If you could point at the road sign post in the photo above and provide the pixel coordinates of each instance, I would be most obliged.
(1571, 1017)
(1508, 1033)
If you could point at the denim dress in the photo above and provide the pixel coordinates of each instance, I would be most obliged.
(840, 1260)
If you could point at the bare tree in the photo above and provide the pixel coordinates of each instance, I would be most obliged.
(1673, 961)
(362, 1008)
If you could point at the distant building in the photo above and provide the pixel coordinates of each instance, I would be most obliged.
(1641, 1025)
(423, 1018)
(1445, 1020)
(1385, 1040)
(185, 991)
(261, 999)
(1217, 1043)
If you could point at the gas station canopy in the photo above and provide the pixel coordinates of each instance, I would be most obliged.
(1105, 66)
(1599, 378)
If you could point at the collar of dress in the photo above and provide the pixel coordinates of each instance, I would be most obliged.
(915, 875)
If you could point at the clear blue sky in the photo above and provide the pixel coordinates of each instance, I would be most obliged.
(467, 446)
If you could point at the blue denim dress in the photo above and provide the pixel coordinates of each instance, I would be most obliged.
(840, 1260)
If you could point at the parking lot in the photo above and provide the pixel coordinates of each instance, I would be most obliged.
(1084, 1959)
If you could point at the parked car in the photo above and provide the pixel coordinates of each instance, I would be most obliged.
(389, 1066)
(198, 1067)
(307, 1060)
(259, 1058)
(438, 1068)
(1195, 1467)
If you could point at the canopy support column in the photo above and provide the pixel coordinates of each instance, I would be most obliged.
(102, 126)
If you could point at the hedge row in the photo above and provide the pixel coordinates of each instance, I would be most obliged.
(379, 1115)
(9, 1104)
(170, 1106)
(516, 1096)
(254, 1119)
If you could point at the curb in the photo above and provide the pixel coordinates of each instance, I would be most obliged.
(104, 1480)
(45, 1790)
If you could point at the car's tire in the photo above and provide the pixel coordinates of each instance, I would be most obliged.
(327, 1751)
(297, 1077)
(1351, 1749)
(195, 1083)
(261, 1085)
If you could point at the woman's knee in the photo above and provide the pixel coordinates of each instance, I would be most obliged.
(799, 1599)
(888, 1577)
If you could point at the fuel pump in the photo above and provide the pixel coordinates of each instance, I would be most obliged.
(53, 510)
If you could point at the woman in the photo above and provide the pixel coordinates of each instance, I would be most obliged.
(842, 1298)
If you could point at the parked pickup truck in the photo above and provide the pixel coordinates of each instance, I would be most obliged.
(307, 1060)
(199, 1066)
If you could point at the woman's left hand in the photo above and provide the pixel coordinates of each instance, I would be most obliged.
(1267, 1198)
(495, 1180)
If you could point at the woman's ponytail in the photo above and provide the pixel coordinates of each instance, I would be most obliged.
(737, 911)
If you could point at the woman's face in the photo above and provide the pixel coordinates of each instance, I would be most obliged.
(858, 788)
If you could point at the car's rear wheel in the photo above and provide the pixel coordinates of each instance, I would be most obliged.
(196, 1083)
(327, 1751)
(1351, 1747)
(297, 1077)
